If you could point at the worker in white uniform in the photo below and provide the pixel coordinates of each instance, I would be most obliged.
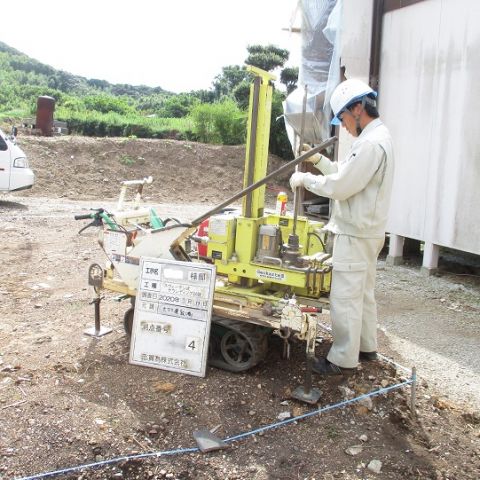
(360, 185)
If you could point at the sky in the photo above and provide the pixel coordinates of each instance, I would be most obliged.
(179, 45)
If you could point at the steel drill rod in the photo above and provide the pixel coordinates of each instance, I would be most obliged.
(413, 397)
(298, 195)
(264, 180)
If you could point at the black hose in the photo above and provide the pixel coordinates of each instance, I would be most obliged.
(187, 225)
(317, 236)
(169, 219)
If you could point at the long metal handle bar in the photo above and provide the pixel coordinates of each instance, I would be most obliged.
(263, 181)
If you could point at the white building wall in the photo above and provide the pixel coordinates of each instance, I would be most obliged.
(428, 95)
(355, 51)
(355, 38)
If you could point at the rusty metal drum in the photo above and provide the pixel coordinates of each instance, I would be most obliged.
(45, 109)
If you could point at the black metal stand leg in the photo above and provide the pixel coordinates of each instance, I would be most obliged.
(306, 393)
(308, 375)
(97, 330)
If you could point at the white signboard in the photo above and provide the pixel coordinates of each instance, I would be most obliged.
(173, 309)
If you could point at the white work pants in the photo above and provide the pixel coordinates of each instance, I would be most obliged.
(352, 301)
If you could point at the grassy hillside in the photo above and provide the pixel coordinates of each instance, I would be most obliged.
(89, 106)
(23, 79)
(96, 107)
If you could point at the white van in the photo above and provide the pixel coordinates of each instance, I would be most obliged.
(14, 171)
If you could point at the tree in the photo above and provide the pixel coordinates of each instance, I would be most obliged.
(107, 103)
(205, 96)
(241, 93)
(177, 106)
(279, 143)
(266, 57)
(289, 77)
(225, 83)
(150, 104)
(99, 84)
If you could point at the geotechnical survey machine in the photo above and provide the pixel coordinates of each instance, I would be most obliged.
(272, 271)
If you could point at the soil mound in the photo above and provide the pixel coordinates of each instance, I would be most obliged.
(84, 167)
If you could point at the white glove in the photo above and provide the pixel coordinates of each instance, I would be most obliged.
(314, 159)
(296, 180)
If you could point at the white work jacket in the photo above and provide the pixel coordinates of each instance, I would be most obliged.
(360, 184)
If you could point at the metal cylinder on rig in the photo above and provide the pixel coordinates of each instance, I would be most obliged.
(45, 109)
(258, 136)
(269, 244)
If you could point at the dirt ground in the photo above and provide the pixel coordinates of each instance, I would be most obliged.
(183, 172)
(67, 399)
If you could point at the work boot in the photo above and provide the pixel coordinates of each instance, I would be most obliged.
(323, 367)
(367, 356)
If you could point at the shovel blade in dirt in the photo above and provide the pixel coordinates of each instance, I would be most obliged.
(207, 441)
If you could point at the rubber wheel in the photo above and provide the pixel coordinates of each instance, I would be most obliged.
(236, 349)
(128, 321)
(237, 346)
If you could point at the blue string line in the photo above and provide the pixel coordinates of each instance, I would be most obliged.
(108, 462)
(229, 439)
(389, 360)
(320, 410)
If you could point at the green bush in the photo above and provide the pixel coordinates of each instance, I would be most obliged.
(74, 104)
(107, 103)
(116, 125)
(177, 106)
(202, 118)
(221, 122)
(127, 160)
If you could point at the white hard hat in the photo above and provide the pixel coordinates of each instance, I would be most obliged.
(347, 93)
